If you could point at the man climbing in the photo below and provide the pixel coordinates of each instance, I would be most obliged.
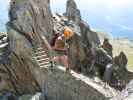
(61, 47)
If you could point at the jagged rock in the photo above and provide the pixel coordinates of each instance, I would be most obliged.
(89, 37)
(107, 47)
(81, 51)
(30, 20)
(121, 76)
(126, 94)
(31, 17)
(86, 56)
(121, 60)
(72, 12)
(102, 60)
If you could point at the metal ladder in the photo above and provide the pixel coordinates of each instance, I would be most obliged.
(42, 58)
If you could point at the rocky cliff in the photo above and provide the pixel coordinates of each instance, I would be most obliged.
(126, 94)
(86, 54)
(30, 27)
(83, 43)
(30, 20)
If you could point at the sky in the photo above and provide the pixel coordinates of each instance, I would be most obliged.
(4, 6)
(111, 16)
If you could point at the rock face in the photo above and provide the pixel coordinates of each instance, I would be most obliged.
(121, 75)
(85, 54)
(107, 47)
(62, 86)
(30, 20)
(72, 12)
(126, 94)
(121, 60)
(81, 47)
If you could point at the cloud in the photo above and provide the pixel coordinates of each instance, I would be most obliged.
(113, 16)
(120, 3)
(4, 2)
(107, 3)
(121, 26)
(124, 27)
(4, 5)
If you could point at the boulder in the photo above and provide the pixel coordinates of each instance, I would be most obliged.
(107, 47)
(126, 94)
(121, 76)
(121, 60)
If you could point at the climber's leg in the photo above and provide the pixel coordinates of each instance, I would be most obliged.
(56, 59)
(64, 60)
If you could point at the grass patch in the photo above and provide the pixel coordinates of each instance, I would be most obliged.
(130, 61)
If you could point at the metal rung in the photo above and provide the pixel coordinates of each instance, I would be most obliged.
(40, 52)
(40, 48)
(44, 63)
(3, 45)
(45, 66)
(43, 59)
(40, 56)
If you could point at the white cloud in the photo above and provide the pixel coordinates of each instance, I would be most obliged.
(120, 3)
(97, 5)
(124, 27)
(108, 3)
(4, 5)
(121, 26)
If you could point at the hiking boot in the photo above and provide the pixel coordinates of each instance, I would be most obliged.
(52, 65)
(68, 69)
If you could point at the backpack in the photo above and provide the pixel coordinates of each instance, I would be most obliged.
(60, 43)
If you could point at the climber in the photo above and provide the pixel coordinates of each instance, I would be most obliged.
(61, 47)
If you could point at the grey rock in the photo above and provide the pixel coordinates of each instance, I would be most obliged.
(107, 47)
(89, 37)
(85, 54)
(29, 21)
(121, 60)
(81, 52)
(72, 12)
(120, 73)
(126, 94)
